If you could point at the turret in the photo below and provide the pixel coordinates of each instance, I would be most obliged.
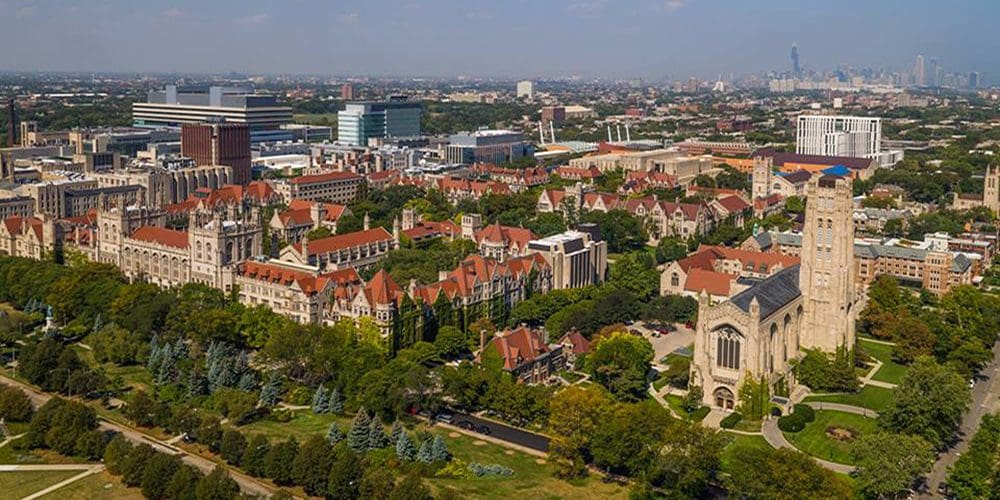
(367, 222)
(395, 231)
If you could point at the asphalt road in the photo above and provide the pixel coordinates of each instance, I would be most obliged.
(507, 433)
(248, 484)
(985, 399)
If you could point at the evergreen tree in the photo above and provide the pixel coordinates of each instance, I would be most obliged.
(357, 437)
(98, 323)
(197, 384)
(439, 450)
(168, 362)
(397, 429)
(426, 453)
(376, 434)
(153, 361)
(248, 382)
(404, 448)
(334, 435)
(271, 391)
(336, 402)
(319, 402)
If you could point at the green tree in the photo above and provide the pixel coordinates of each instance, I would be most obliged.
(234, 445)
(183, 484)
(929, 402)
(620, 363)
(637, 273)
(359, 436)
(134, 465)
(630, 437)
(377, 482)
(253, 457)
(217, 486)
(156, 478)
(278, 461)
(311, 467)
(116, 453)
(889, 464)
(450, 342)
(345, 474)
(765, 473)
(689, 460)
(410, 488)
(575, 415)
(976, 474)
(15, 406)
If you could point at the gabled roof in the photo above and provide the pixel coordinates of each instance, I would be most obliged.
(381, 289)
(344, 241)
(579, 344)
(161, 235)
(796, 177)
(507, 235)
(18, 225)
(733, 204)
(519, 346)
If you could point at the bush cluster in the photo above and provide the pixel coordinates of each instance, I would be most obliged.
(731, 420)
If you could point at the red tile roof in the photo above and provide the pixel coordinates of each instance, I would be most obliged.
(18, 224)
(344, 241)
(163, 236)
(579, 343)
(507, 235)
(713, 283)
(381, 289)
(519, 346)
(734, 204)
(308, 282)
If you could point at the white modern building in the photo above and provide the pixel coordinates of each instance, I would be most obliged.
(837, 135)
(526, 89)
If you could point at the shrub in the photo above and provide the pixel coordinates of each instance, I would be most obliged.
(791, 423)
(731, 420)
(484, 470)
(806, 412)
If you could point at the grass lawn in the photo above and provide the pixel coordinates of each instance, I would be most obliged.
(677, 404)
(304, 424)
(531, 474)
(891, 371)
(871, 397)
(23, 483)
(814, 440)
(741, 441)
(660, 383)
(135, 375)
(100, 485)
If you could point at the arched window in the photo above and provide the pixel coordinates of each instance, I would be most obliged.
(675, 280)
(728, 344)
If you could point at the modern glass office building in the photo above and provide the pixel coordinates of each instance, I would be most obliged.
(360, 121)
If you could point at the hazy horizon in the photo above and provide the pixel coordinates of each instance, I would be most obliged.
(513, 39)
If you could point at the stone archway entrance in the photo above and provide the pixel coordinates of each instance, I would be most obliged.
(724, 398)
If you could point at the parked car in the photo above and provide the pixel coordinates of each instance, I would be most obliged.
(424, 413)
(445, 418)
(465, 424)
(485, 430)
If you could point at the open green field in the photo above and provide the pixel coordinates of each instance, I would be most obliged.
(871, 397)
(23, 483)
(100, 485)
(891, 371)
(813, 440)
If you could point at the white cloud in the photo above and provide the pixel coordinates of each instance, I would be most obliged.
(172, 14)
(674, 4)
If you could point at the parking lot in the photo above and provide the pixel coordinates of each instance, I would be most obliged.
(666, 344)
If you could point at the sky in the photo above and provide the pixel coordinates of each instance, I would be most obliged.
(617, 39)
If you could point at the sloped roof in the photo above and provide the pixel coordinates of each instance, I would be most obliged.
(772, 293)
(519, 346)
(327, 177)
(344, 241)
(381, 289)
(709, 281)
(161, 235)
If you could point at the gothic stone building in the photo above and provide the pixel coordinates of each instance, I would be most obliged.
(756, 333)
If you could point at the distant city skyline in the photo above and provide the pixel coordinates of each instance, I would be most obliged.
(516, 38)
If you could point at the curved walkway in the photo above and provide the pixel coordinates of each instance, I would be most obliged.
(775, 438)
(857, 410)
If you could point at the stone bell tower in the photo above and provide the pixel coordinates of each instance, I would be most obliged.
(826, 275)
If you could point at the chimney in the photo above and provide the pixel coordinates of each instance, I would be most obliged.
(367, 222)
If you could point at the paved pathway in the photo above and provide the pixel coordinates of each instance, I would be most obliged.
(857, 410)
(776, 439)
(248, 484)
(663, 402)
(714, 419)
(91, 469)
(876, 341)
(46, 467)
(879, 383)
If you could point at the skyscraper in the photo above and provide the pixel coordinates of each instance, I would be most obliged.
(829, 135)
(795, 60)
(919, 76)
(932, 73)
(973, 79)
(363, 120)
